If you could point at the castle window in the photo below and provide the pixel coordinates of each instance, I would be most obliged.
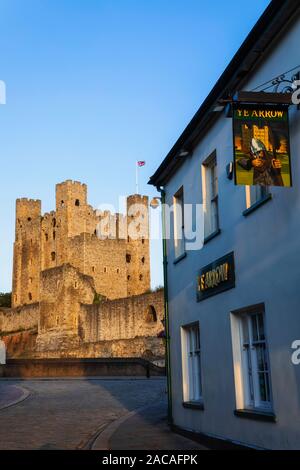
(77, 203)
(54, 234)
(30, 296)
(30, 280)
(105, 270)
(141, 277)
(93, 269)
(151, 316)
(143, 241)
(53, 255)
(46, 236)
(29, 219)
(75, 285)
(54, 223)
(128, 278)
(62, 203)
(128, 258)
(118, 271)
(57, 321)
(143, 260)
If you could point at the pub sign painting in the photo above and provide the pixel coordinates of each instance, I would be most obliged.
(261, 145)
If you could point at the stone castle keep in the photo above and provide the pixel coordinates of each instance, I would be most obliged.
(81, 281)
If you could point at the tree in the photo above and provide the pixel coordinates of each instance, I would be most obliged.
(5, 299)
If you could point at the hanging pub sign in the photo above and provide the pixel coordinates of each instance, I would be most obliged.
(216, 277)
(261, 145)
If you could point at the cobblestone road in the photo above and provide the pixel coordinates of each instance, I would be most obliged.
(67, 414)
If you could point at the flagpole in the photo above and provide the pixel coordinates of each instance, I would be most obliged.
(137, 177)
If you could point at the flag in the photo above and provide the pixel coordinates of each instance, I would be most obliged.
(141, 163)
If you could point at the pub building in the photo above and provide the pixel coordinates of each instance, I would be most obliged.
(233, 307)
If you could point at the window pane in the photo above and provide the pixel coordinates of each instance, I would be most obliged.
(193, 363)
(197, 339)
(260, 359)
(254, 328)
(179, 242)
(255, 363)
(261, 329)
(245, 330)
(262, 387)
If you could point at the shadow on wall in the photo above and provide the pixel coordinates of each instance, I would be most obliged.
(114, 367)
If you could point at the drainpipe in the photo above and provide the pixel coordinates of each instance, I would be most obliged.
(166, 307)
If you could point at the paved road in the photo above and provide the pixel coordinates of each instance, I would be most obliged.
(148, 429)
(68, 414)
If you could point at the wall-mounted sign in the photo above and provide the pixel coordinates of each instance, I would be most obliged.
(216, 277)
(261, 145)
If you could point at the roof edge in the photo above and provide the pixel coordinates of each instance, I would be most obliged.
(230, 78)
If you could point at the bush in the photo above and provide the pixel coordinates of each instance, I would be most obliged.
(5, 299)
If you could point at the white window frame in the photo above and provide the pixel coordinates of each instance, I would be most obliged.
(179, 238)
(210, 195)
(255, 194)
(191, 363)
(245, 359)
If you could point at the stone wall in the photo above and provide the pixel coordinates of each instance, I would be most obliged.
(151, 349)
(118, 261)
(18, 330)
(62, 290)
(15, 320)
(137, 316)
(103, 260)
(20, 368)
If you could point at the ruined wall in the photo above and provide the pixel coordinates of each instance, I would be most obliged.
(18, 330)
(149, 348)
(138, 250)
(61, 326)
(14, 320)
(62, 290)
(27, 251)
(138, 316)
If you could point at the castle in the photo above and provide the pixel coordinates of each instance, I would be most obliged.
(81, 281)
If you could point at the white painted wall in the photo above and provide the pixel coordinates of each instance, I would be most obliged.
(267, 255)
(2, 352)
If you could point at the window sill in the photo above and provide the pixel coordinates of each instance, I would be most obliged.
(212, 236)
(257, 205)
(193, 405)
(257, 415)
(180, 258)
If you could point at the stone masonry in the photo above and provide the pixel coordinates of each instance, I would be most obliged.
(81, 281)
(98, 244)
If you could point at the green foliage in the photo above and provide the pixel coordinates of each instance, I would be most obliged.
(98, 298)
(5, 299)
(156, 289)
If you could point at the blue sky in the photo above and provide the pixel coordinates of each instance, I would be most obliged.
(94, 85)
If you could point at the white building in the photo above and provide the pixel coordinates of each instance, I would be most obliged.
(232, 374)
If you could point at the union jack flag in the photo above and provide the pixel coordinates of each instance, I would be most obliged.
(141, 163)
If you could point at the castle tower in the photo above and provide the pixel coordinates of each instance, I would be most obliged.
(72, 213)
(138, 251)
(27, 249)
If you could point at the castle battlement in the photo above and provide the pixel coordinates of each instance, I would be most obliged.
(119, 266)
(72, 183)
